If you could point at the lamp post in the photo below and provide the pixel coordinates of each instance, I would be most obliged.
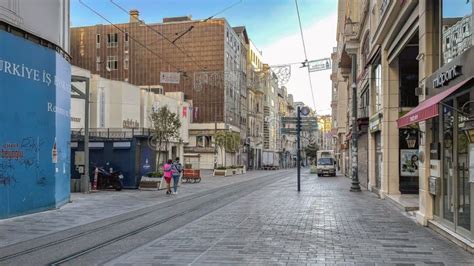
(355, 185)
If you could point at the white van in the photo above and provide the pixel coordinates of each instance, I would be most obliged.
(326, 166)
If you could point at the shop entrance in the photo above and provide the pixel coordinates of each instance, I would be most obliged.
(456, 206)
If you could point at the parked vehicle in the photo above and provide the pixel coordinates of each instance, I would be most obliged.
(326, 166)
(106, 180)
(270, 160)
(325, 154)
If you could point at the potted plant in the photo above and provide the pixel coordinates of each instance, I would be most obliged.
(223, 171)
(151, 180)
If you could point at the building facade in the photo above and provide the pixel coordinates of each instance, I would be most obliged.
(206, 64)
(407, 61)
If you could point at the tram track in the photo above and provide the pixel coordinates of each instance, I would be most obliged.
(196, 205)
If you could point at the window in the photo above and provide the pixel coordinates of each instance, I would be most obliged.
(364, 103)
(378, 87)
(125, 38)
(125, 62)
(112, 40)
(454, 28)
(97, 41)
(97, 63)
(112, 63)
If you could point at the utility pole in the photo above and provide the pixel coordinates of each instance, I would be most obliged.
(355, 186)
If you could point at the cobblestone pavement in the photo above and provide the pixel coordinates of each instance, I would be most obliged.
(89, 208)
(324, 224)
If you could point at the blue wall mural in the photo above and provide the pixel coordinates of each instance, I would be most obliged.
(34, 128)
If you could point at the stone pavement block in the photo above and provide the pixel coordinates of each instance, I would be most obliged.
(89, 208)
(323, 224)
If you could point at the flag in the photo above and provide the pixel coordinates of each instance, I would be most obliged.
(195, 113)
(185, 111)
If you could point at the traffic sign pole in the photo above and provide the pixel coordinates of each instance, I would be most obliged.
(298, 139)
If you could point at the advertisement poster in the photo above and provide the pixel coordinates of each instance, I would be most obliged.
(35, 97)
(409, 162)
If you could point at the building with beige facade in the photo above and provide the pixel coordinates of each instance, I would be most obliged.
(413, 98)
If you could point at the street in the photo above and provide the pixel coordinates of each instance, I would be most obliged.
(257, 218)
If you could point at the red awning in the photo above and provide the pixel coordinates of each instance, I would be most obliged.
(428, 108)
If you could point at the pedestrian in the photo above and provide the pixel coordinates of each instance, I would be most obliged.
(167, 175)
(176, 170)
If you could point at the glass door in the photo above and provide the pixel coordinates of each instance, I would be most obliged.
(463, 185)
(448, 163)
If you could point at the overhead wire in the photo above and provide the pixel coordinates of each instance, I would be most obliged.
(160, 34)
(205, 20)
(305, 54)
(129, 35)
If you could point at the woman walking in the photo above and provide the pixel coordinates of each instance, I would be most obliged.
(176, 170)
(167, 170)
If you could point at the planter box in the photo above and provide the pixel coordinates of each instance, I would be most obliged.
(150, 182)
(227, 172)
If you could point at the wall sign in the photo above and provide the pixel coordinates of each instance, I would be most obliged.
(374, 123)
(444, 77)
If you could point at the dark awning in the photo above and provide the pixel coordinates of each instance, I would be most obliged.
(428, 108)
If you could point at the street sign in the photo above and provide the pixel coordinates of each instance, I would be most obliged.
(305, 111)
(319, 65)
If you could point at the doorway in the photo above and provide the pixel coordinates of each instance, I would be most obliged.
(456, 208)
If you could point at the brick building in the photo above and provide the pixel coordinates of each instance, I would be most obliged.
(136, 53)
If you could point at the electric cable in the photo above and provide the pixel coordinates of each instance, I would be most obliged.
(205, 20)
(305, 54)
(160, 34)
(129, 35)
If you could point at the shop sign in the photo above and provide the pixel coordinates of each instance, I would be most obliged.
(444, 77)
(374, 123)
(129, 123)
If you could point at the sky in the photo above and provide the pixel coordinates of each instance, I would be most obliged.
(271, 24)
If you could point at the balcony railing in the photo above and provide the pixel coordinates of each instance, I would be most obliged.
(112, 133)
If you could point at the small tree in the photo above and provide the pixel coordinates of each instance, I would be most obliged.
(166, 125)
(227, 142)
(312, 150)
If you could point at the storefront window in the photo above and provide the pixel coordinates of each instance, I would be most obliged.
(463, 186)
(456, 28)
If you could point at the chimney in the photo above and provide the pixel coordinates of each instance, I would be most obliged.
(134, 15)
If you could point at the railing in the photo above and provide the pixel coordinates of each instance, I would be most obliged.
(112, 133)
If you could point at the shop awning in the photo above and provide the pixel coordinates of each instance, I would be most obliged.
(428, 108)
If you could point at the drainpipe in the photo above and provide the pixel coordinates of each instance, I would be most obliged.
(355, 186)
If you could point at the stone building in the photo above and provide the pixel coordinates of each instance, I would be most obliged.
(413, 87)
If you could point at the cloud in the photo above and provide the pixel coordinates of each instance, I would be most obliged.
(320, 38)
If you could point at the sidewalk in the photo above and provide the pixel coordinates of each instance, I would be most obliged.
(89, 208)
(324, 224)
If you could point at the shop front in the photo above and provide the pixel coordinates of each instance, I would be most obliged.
(449, 151)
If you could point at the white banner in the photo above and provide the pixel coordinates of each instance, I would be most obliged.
(169, 77)
(319, 65)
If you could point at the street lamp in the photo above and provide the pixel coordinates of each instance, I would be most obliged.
(469, 124)
(411, 140)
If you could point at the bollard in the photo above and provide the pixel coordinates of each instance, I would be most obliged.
(96, 176)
